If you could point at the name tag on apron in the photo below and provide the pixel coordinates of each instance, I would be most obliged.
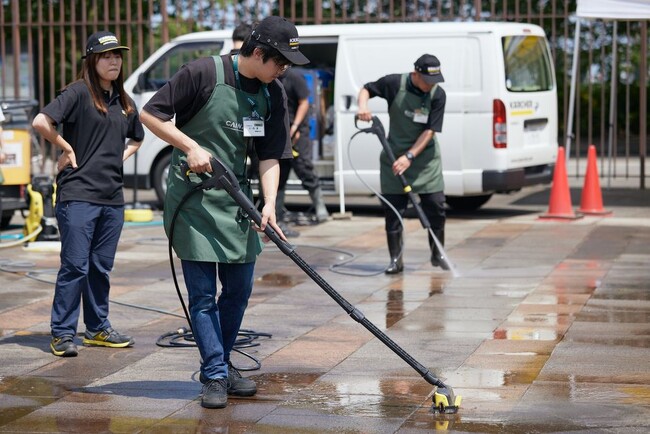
(253, 127)
(420, 117)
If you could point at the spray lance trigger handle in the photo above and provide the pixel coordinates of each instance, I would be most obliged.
(376, 126)
(207, 181)
(228, 181)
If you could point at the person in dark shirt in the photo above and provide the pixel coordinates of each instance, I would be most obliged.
(416, 106)
(224, 106)
(97, 117)
(239, 35)
(295, 86)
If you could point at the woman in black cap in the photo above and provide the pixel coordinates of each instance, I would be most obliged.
(416, 106)
(97, 117)
(222, 104)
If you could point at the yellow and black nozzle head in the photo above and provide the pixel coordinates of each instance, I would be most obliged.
(445, 401)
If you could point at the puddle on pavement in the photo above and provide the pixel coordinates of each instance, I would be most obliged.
(279, 279)
(352, 396)
(283, 383)
(459, 425)
(627, 291)
(614, 314)
(525, 334)
(551, 319)
(635, 342)
(437, 284)
(484, 378)
(22, 395)
(394, 307)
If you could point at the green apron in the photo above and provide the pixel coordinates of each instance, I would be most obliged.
(425, 173)
(210, 226)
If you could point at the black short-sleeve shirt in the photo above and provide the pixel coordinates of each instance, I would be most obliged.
(388, 86)
(191, 87)
(98, 140)
(295, 85)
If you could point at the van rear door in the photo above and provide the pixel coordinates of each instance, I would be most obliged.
(530, 101)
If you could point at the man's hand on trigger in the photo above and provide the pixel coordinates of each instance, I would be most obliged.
(199, 160)
(364, 115)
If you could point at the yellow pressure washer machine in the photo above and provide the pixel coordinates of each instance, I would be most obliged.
(20, 191)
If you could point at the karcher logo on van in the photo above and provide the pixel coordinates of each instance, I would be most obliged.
(522, 108)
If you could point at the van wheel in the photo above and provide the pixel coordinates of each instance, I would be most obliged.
(467, 203)
(160, 174)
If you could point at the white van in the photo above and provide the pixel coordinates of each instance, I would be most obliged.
(500, 125)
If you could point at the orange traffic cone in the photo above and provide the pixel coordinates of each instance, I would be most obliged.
(592, 197)
(560, 207)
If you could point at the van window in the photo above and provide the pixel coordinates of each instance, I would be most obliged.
(458, 57)
(528, 67)
(161, 71)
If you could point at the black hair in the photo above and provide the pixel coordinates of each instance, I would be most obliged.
(268, 52)
(89, 75)
(241, 32)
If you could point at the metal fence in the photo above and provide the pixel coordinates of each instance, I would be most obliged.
(41, 42)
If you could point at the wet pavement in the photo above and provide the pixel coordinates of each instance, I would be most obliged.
(545, 328)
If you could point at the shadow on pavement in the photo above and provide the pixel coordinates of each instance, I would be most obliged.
(38, 341)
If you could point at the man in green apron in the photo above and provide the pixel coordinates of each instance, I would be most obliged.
(222, 104)
(416, 106)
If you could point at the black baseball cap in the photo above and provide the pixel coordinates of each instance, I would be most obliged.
(282, 35)
(428, 66)
(100, 42)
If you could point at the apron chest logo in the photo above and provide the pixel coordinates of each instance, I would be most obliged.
(234, 125)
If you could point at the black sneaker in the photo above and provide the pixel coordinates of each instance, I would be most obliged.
(64, 346)
(107, 338)
(238, 385)
(214, 393)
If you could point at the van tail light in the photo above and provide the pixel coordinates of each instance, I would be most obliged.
(499, 126)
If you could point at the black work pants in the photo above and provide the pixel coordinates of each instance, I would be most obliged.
(433, 205)
(302, 164)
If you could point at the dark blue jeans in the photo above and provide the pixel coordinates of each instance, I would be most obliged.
(215, 324)
(89, 237)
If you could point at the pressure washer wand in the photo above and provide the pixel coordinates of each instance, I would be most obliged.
(444, 399)
(378, 129)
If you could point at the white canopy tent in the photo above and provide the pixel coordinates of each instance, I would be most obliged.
(614, 10)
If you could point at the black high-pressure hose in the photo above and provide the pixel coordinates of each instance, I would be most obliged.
(181, 336)
(184, 199)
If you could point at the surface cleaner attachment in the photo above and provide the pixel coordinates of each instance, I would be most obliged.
(445, 401)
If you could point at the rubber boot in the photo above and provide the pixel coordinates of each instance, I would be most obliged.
(319, 205)
(437, 259)
(395, 250)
